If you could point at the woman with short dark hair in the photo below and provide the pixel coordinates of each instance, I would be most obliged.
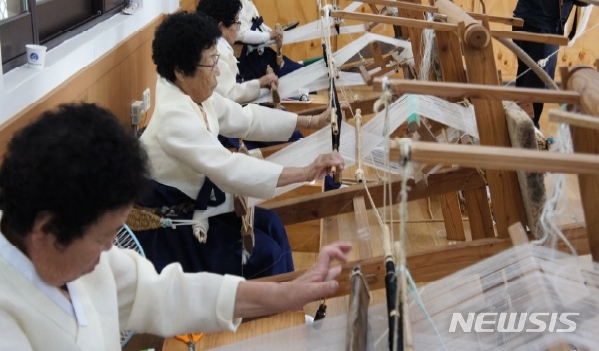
(255, 57)
(67, 184)
(226, 14)
(195, 178)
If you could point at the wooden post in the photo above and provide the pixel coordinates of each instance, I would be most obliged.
(508, 207)
(585, 80)
(479, 213)
(475, 34)
(414, 34)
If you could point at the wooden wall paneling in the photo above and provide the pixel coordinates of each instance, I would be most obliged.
(108, 93)
(285, 11)
(86, 85)
(188, 5)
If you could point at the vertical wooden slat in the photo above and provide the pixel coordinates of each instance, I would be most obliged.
(454, 226)
(492, 128)
(585, 80)
(452, 66)
(362, 228)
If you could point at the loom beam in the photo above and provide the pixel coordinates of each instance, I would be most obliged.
(437, 263)
(402, 5)
(585, 80)
(574, 119)
(474, 35)
(492, 157)
(331, 203)
(462, 91)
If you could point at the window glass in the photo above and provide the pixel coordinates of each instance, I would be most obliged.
(10, 8)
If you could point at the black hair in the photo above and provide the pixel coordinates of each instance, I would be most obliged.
(76, 163)
(179, 42)
(221, 10)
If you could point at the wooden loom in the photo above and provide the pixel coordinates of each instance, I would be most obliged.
(583, 83)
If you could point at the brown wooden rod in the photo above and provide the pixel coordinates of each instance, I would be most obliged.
(511, 21)
(359, 172)
(479, 91)
(499, 158)
(436, 263)
(366, 106)
(475, 34)
(574, 119)
(552, 39)
(518, 22)
(331, 203)
(403, 5)
(397, 21)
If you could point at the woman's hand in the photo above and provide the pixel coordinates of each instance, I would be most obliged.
(323, 119)
(322, 165)
(267, 79)
(318, 282)
(322, 271)
(276, 33)
(255, 299)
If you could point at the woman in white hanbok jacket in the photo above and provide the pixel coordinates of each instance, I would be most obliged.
(226, 14)
(67, 183)
(196, 177)
(254, 33)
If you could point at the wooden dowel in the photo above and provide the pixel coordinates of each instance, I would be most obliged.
(403, 5)
(518, 22)
(397, 21)
(511, 21)
(531, 37)
(475, 34)
(574, 119)
(518, 234)
(463, 91)
(359, 171)
(499, 158)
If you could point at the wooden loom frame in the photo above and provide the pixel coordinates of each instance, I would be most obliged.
(437, 263)
(493, 132)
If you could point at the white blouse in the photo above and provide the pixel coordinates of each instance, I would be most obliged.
(227, 80)
(183, 150)
(245, 35)
(124, 292)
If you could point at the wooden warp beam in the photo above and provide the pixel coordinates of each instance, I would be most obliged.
(357, 317)
(475, 34)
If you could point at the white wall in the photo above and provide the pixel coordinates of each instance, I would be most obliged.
(23, 86)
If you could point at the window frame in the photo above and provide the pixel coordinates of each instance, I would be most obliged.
(27, 25)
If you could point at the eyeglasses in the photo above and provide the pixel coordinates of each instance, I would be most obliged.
(217, 56)
(238, 23)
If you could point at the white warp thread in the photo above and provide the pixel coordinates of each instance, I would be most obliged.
(310, 76)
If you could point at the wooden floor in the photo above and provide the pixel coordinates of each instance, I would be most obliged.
(425, 230)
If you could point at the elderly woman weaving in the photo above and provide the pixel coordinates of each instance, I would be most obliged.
(67, 184)
(226, 14)
(195, 178)
(255, 57)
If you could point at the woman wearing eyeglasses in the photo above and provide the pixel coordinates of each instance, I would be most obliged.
(194, 176)
(226, 14)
